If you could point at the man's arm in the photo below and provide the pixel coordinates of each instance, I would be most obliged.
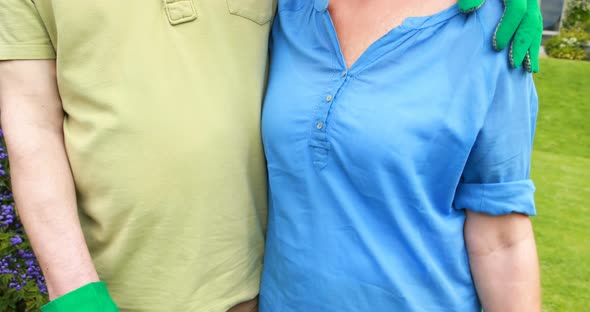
(504, 263)
(32, 120)
(521, 24)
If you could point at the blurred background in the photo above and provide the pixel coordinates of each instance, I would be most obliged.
(553, 10)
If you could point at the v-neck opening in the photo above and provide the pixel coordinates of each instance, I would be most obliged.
(408, 24)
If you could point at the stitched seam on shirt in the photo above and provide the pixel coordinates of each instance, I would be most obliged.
(485, 46)
(438, 22)
(174, 22)
(479, 19)
(492, 91)
(26, 45)
(279, 9)
(314, 113)
(483, 195)
(474, 8)
(332, 112)
(359, 70)
(498, 27)
(330, 31)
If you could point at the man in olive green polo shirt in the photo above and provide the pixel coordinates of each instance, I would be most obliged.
(161, 110)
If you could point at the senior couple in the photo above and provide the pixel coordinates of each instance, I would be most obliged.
(397, 143)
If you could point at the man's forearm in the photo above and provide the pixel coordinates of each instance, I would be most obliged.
(41, 177)
(46, 203)
(505, 270)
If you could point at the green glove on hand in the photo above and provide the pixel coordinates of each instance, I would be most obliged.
(93, 297)
(522, 20)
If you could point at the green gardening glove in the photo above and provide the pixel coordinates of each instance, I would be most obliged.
(523, 23)
(93, 297)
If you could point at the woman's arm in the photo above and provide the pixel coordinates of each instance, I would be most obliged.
(504, 263)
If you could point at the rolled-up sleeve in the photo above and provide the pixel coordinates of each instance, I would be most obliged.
(23, 35)
(497, 198)
(496, 179)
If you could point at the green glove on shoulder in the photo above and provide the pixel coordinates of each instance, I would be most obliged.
(93, 297)
(523, 23)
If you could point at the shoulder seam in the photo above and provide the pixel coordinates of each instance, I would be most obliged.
(479, 18)
(296, 9)
(486, 47)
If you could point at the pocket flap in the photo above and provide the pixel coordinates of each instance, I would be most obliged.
(258, 11)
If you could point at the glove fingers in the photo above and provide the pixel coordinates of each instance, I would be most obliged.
(520, 46)
(513, 15)
(467, 6)
(534, 54)
(536, 44)
(527, 62)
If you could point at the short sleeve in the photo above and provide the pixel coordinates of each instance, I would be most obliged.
(22, 33)
(495, 179)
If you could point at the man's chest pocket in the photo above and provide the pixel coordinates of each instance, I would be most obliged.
(258, 11)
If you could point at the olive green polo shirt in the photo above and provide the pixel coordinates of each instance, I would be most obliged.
(162, 101)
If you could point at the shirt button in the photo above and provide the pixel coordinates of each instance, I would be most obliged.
(319, 125)
(343, 74)
(329, 98)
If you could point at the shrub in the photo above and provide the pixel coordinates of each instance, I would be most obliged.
(577, 15)
(569, 44)
(574, 35)
(22, 286)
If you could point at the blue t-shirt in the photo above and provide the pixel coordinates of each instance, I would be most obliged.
(370, 167)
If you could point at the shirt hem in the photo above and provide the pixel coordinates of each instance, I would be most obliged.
(26, 52)
(249, 292)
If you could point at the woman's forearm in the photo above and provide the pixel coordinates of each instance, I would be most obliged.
(504, 263)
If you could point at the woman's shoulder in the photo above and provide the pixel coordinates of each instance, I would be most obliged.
(296, 5)
(489, 16)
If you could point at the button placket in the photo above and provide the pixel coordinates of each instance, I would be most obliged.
(318, 141)
(180, 11)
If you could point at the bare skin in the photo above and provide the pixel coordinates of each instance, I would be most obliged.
(359, 23)
(504, 263)
(32, 120)
(502, 251)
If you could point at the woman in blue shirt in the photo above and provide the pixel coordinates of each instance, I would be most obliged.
(398, 155)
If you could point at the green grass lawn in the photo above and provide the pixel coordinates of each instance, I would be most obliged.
(561, 171)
